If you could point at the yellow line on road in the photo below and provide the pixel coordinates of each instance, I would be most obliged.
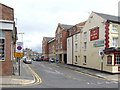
(35, 75)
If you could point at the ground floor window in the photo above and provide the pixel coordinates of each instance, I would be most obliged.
(117, 58)
(85, 60)
(2, 49)
(109, 59)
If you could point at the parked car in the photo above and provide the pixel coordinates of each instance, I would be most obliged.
(52, 60)
(28, 61)
(46, 59)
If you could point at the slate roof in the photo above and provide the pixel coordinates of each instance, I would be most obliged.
(66, 26)
(109, 17)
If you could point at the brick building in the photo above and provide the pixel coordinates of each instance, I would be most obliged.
(45, 46)
(8, 37)
(61, 35)
(52, 51)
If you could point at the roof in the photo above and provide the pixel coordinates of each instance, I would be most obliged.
(66, 26)
(5, 6)
(48, 38)
(109, 17)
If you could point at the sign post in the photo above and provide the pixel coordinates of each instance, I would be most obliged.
(101, 54)
(19, 54)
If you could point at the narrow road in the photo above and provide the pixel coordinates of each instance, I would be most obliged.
(54, 76)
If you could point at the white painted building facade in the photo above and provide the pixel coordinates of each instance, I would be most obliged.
(93, 47)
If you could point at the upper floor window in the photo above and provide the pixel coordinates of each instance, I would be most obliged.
(76, 47)
(115, 41)
(76, 37)
(85, 35)
(114, 28)
(85, 45)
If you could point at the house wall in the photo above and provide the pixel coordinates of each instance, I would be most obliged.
(76, 49)
(92, 52)
(70, 50)
(7, 13)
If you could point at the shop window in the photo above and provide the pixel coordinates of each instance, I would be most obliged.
(2, 49)
(117, 58)
(109, 59)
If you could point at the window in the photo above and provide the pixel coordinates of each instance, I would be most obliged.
(117, 58)
(115, 41)
(85, 35)
(85, 45)
(76, 38)
(2, 49)
(61, 45)
(114, 28)
(2, 45)
(109, 59)
(75, 58)
(76, 47)
(85, 58)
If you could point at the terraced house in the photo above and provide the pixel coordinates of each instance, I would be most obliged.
(8, 37)
(98, 44)
(61, 35)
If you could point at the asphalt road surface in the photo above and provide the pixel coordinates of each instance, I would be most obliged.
(54, 76)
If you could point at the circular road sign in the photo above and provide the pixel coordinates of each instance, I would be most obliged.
(19, 47)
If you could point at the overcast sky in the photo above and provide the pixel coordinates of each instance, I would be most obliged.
(39, 18)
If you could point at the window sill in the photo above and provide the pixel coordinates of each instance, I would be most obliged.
(84, 64)
(2, 60)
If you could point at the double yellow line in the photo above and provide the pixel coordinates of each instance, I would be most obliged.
(35, 75)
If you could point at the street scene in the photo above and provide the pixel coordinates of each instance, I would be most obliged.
(51, 75)
(58, 44)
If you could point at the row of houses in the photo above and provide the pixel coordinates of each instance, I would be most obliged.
(8, 37)
(94, 43)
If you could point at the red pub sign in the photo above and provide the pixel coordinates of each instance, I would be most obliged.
(94, 34)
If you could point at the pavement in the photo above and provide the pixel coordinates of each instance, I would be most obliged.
(28, 76)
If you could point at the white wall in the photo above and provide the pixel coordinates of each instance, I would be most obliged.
(69, 50)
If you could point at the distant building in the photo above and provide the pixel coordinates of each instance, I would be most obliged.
(51, 46)
(8, 37)
(45, 46)
(61, 35)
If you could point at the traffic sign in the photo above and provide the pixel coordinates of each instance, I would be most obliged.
(19, 47)
(19, 55)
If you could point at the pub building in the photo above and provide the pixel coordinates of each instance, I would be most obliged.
(96, 46)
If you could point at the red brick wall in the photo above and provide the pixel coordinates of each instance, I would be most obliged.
(64, 40)
(7, 64)
(7, 13)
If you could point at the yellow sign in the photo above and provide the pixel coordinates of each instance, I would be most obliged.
(18, 54)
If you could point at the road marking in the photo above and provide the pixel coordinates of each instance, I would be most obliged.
(35, 75)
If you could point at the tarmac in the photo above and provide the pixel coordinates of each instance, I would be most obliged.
(28, 76)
